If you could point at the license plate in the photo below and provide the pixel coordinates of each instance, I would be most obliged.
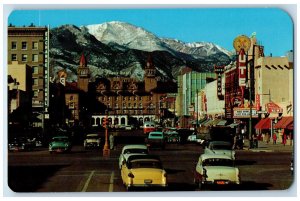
(147, 181)
(221, 182)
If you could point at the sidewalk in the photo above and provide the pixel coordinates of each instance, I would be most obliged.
(269, 147)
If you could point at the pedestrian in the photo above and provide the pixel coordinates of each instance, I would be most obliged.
(274, 138)
(284, 139)
(111, 141)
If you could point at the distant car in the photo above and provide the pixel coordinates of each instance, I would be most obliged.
(220, 147)
(92, 140)
(21, 144)
(128, 150)
(149, 126)
(143, 171)
(195, 138)
(216, 169)
(129, 127)
(60, 144)
(156, 139)
(173, 137)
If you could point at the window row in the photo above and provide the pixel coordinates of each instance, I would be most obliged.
(24, 57)
(124, 98)
(24, 45)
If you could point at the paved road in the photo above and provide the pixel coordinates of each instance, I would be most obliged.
(89, 171)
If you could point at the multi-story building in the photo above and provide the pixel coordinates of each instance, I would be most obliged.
(127, 99)
(190, 84)
(30, 46)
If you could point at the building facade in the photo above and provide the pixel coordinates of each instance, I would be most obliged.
(30, 45)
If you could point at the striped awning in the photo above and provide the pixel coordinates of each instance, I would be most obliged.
(284, 122)
(264, 124)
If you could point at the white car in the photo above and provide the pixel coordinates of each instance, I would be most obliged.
(216, 169)
(195, 138)
(92, 140)
(220, 147)
(128, 150)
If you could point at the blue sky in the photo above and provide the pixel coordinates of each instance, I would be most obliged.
(273, 27)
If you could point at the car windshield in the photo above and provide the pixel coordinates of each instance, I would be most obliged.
(156, 135)
(60, 140)
(135, 151)
(217, 162)
(92, 137)
(145, 164)
(221, 147)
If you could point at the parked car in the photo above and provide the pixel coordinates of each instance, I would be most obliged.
(220, 147)
(60, 144)
(21, 144)
(173, 137)
(155, 139)
(92, 140)
(143, 171)
(216, 169)
(131, 149)
(195, 138)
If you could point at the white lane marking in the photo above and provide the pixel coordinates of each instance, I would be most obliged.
(111, 182)
(87, 182)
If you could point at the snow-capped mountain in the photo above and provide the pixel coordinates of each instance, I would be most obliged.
(120, 48)
(127, 35)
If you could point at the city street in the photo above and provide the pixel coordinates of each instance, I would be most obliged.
(88, 171)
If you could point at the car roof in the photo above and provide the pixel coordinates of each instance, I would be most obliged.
(93, 134)
(208, 156)
(135, 146)
(156, 132)
(61, 136)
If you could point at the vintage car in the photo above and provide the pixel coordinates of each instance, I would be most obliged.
(91, 140)
(60, 144)
(195, 139)
(143, 171)
(156, 139)
(128, 150)
(21, 144)
(220, 147)
(216, 169)
(173, 137)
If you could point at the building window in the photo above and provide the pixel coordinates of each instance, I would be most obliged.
(35, 58)
(35, 69)
(14, 57)
(13, 45)
(35, 45)
(72, 105)
(35, 82)
(24, 57)
(35, 93)
(24, 45)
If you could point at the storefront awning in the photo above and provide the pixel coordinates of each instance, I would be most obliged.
(290, 126)
(221, 123)
(284, 122)
(263, 124)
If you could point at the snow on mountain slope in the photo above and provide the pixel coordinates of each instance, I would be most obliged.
(126, 35)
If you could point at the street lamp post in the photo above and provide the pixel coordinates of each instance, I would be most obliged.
(106, 151)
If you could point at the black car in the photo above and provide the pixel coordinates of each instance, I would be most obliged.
(21, 144)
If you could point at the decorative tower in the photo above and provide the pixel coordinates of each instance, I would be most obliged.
(83, 74)
(150, 73)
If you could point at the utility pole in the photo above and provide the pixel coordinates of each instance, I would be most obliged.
(106, 151)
